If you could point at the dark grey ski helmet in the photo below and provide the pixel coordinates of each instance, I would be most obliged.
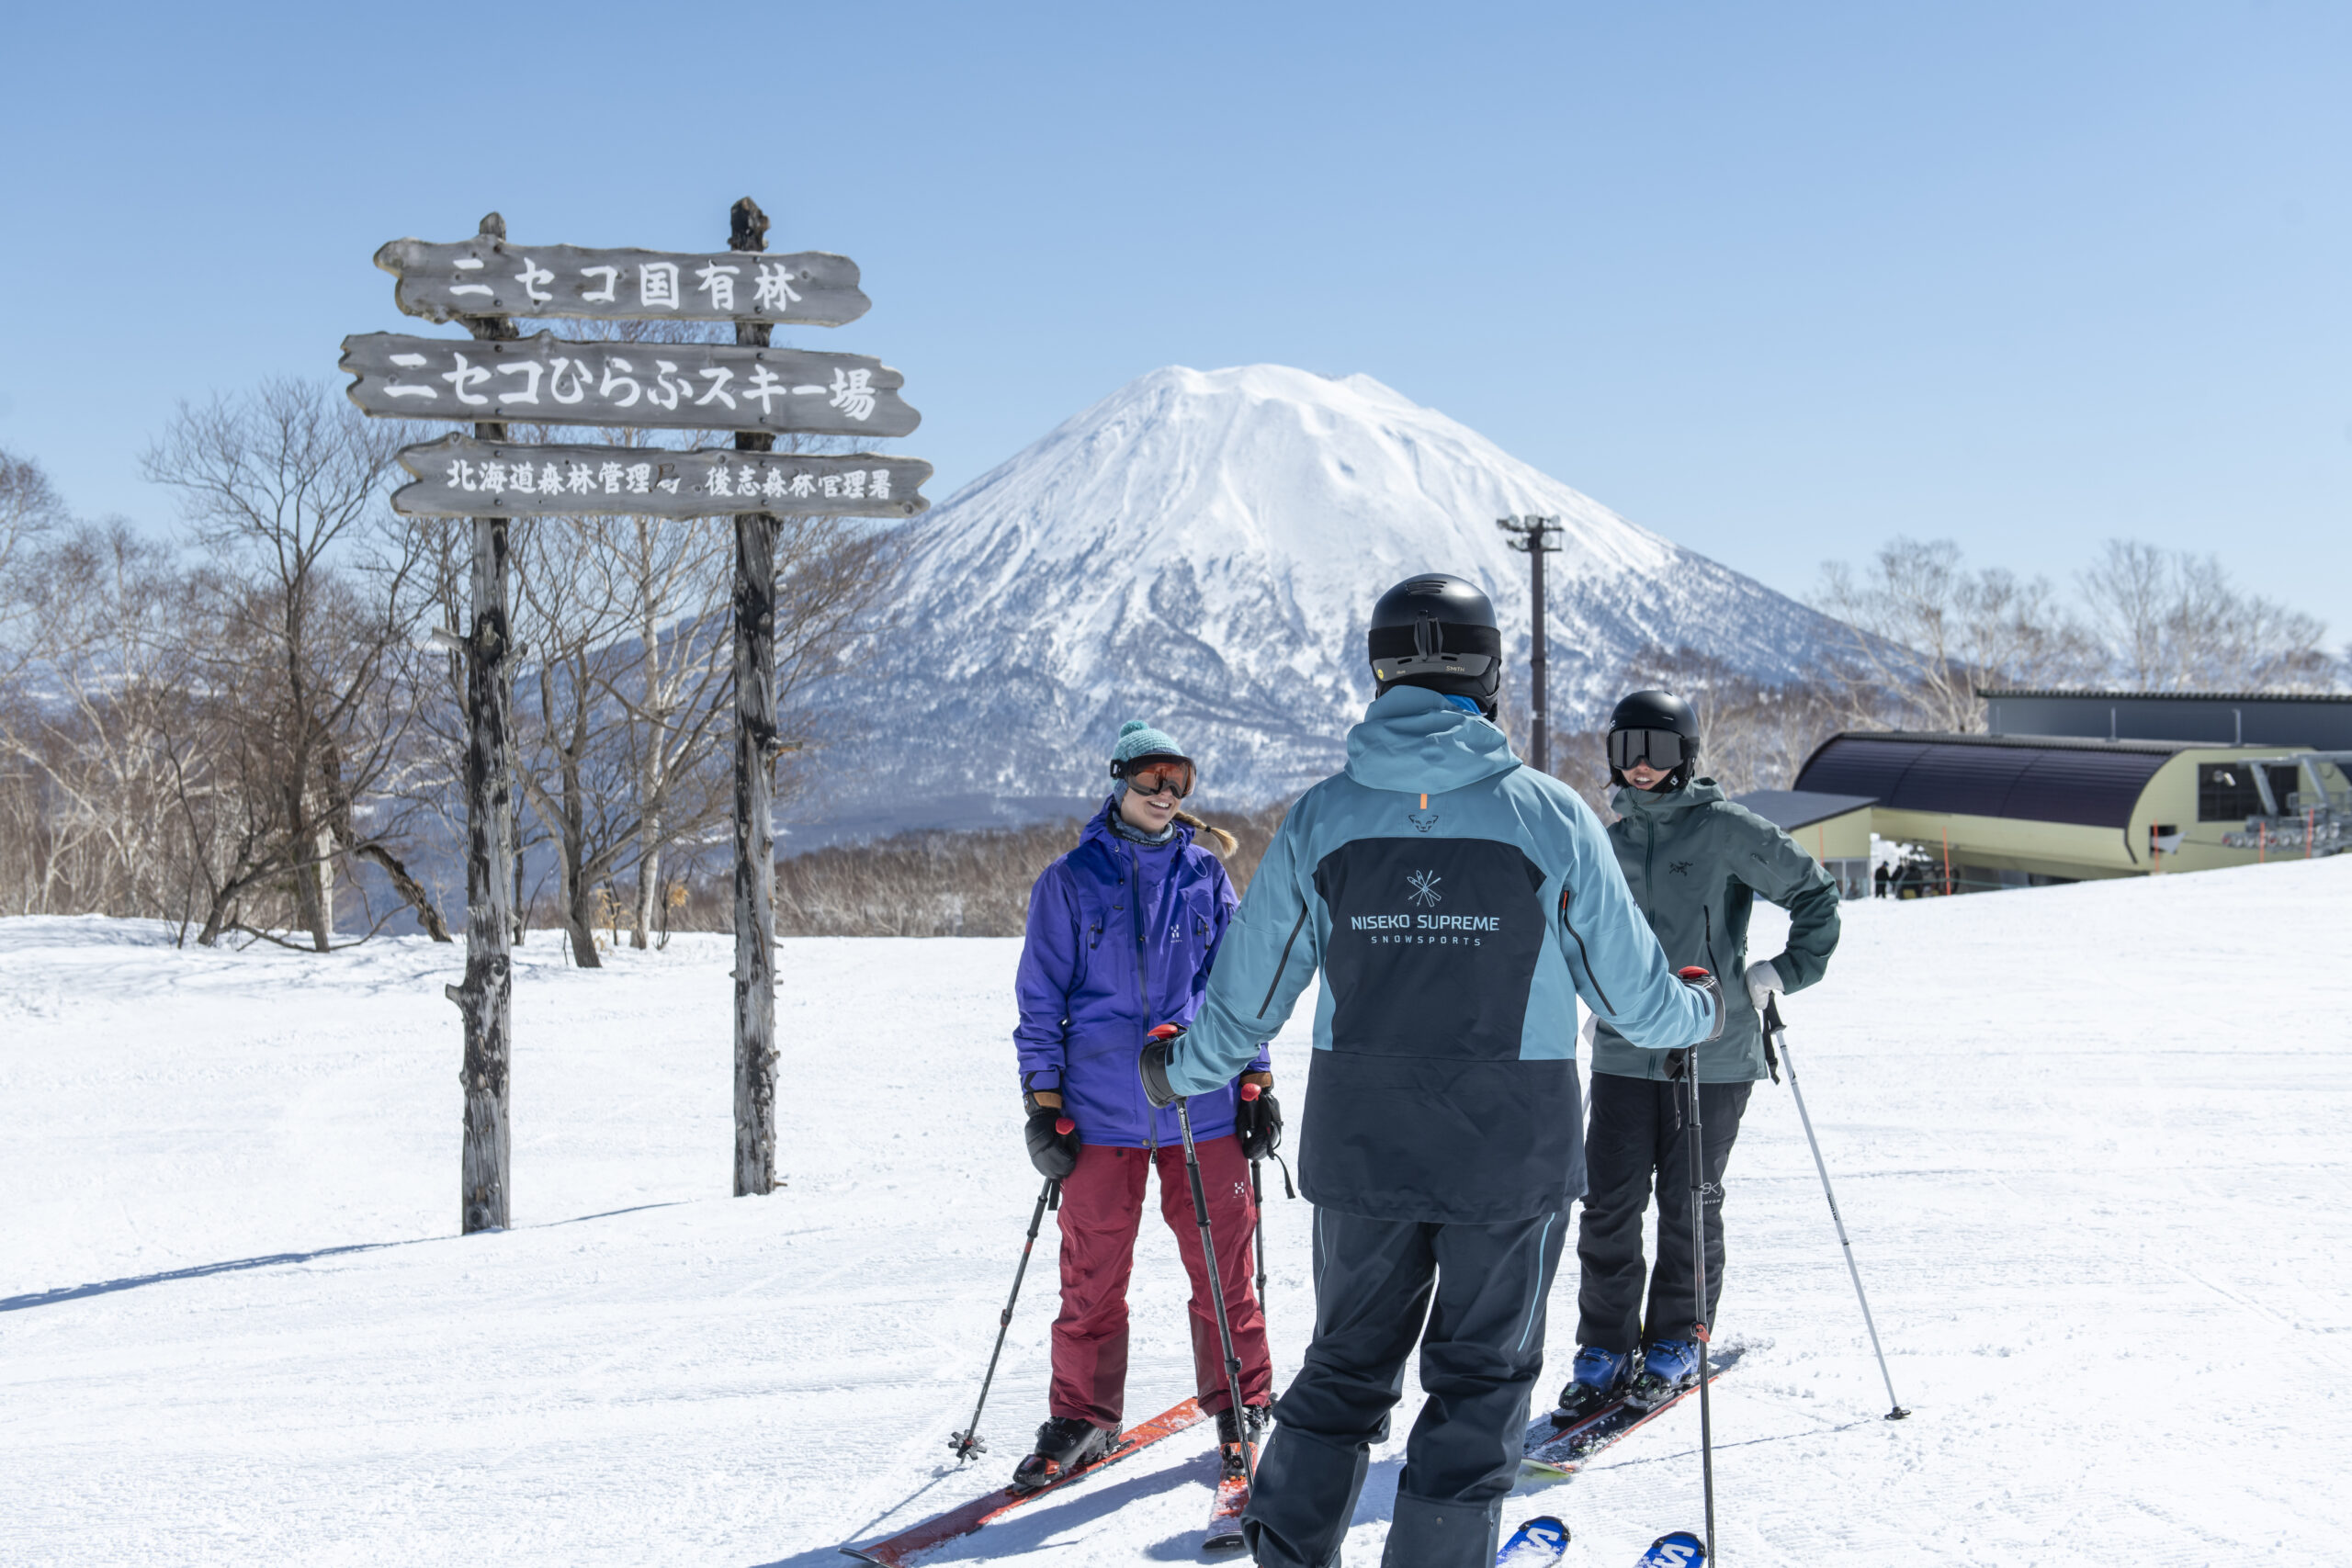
(1438, 631)
(1655, 728)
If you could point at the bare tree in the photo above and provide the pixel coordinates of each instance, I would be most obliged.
(2174, 620)
(30, 510)
(628, 682)
(284, 487)
(1922, 631)
(673, 579)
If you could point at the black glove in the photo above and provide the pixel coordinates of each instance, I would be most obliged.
(1153, 1066)
(1257, 1120)
(1699, 980)
(1053, 1141)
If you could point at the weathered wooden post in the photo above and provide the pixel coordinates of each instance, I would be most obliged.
(755, 739)
(486, 1000)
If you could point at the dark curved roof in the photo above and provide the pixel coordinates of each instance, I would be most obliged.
(2090, 783)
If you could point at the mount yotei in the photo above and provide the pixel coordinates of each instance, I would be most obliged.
(1202, 549)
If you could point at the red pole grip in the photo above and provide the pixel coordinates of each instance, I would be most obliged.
(1064, 1126)
(1250, 1091)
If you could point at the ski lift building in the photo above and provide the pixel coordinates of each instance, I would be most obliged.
(2230, 779)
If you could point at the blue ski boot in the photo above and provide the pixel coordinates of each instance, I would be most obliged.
(1669, 1368)
(1599, 1380)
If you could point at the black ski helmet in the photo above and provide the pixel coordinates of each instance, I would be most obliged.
(1437, 631)
(1641, 713)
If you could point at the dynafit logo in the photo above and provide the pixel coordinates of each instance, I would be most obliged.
(1424, 888)
(1422, 821)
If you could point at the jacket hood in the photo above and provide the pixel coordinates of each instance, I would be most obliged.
(1632, 802)
(1414, 739)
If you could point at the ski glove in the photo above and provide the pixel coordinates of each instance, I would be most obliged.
(1052, 1137)
(1258, 1118)
(1153, 1066)
(1764, 981)
(1699, 980)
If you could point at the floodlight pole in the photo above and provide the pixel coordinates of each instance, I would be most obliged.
(1529, 536)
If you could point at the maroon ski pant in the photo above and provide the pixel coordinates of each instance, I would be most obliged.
(1102, 1210)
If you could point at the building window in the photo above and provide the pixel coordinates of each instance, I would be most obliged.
(2285, 783)
(2226, 793)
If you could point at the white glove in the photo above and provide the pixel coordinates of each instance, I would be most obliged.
(1764, 982)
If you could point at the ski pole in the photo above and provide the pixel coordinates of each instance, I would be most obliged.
(1216, 1292)
(1258, 1196)
(1699, 1272)
(1779, 1033)
(968, 1442)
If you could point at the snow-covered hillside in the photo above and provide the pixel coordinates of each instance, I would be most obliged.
(1201, 548)
(2088, 1140)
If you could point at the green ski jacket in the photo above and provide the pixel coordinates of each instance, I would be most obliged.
(1697, 863)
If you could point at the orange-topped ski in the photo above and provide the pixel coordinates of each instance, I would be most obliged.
(904, 1547)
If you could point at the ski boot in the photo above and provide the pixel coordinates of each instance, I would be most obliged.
(1255, 1419)
(1599, 1381)
(1669, 1366)
(1064, 1443)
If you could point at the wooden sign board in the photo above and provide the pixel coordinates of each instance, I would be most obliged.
(461, 477)
(544, 379)
(489, 276)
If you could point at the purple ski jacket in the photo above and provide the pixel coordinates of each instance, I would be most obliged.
(1120, 940)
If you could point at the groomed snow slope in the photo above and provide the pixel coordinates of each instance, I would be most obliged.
(2090, 1141)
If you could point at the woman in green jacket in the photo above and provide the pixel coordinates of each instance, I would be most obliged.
(1696, 864)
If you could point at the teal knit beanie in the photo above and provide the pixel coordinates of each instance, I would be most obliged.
(1137, 739)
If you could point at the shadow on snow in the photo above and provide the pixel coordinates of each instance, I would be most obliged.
(268, 1260)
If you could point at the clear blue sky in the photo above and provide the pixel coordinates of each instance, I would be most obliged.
(1779, 281)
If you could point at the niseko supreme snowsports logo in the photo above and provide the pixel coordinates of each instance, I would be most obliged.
(1425, 928)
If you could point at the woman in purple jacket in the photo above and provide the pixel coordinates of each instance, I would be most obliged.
(1122, 932)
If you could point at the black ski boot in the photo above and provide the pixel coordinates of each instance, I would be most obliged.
(1255, 1419)
(1599, 1381)
(1064, 1443)
(1669, 1367)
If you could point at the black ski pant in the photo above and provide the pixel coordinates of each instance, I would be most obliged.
(1638, 1142)
(1480, 1291)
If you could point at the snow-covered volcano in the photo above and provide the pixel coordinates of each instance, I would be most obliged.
(1202, 549)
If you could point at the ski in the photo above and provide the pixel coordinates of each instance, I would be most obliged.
(1225, 1513)
(1538, 1544)
(1680, 1549)
(902, 1547)
(1560, 1449)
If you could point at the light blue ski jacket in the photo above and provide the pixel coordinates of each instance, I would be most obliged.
(1458, 905)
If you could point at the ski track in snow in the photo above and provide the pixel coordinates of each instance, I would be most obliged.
(2087, 1140)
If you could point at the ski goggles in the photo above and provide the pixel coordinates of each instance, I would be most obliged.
(1434, 648)
(1156, 776)
(1661, 749)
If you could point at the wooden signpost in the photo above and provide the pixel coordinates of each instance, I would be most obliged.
(636, 386)
(459, 477)
(750, 388)
(487, 276)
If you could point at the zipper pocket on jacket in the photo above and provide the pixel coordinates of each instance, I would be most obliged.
(1275, 984)
(1590, 972)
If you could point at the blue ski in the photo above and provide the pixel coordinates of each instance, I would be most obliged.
(1680, 1549)
(1538, 1544)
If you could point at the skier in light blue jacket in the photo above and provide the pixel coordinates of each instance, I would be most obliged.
(1458, 905)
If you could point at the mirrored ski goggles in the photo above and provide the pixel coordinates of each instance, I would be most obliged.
(1661, 749)
(1156, 776)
